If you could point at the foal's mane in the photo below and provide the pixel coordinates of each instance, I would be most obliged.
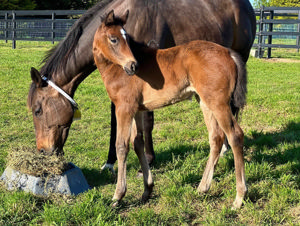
(58, 56)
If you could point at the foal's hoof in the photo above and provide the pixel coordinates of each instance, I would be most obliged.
(238, 202)
(115, 204)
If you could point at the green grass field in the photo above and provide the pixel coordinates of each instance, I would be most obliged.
(271, 122)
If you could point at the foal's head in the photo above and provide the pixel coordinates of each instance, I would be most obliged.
(110, 42)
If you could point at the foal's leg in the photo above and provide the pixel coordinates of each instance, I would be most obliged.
(235, 137)
(124, 122)
(148, 127)
(216, 138)
(138, 142)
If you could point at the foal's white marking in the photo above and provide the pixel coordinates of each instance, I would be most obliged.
(123, 33)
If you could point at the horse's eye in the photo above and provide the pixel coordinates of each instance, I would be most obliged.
(113, 40)
(38, 112)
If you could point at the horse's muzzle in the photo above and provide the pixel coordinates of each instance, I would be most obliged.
(131, 67)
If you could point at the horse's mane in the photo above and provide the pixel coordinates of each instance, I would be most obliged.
(57, 57)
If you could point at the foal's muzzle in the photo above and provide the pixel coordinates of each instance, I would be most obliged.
(131, 67)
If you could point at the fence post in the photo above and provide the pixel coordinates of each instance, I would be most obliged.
(260, 37)
(53, 27)
(270, 30)
(13, 29)
(298, 30)
(6, 27)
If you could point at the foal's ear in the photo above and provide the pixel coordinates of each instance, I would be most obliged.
(125, 17)
(36, 77)
(110, 18)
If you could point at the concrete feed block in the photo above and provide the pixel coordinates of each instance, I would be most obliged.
(71, 182)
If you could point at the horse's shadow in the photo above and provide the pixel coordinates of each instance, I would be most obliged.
(255, 146)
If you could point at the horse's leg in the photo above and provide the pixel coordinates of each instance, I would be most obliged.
(148, 127)
(124, 122)
(112, 157)
(138, 142)
(235, 137)
(216, 138)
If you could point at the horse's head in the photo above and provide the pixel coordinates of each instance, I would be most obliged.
(111, 43)
(52, 114)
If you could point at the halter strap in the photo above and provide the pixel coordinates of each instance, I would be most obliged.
(54, 86)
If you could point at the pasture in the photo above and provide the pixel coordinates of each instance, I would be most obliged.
(270, 120)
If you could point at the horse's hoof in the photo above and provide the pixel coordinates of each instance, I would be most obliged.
(224, 150)
(108, 166)
(139, 173)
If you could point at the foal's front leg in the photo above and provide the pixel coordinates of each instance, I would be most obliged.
(124, 122)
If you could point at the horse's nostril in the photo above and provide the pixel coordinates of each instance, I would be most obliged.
(42, 151)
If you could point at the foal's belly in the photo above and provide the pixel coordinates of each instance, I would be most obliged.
(154, 99)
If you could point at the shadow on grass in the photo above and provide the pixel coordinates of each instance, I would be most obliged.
(264, 146)
(95, 178)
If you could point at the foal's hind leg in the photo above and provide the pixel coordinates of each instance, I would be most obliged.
(139, 149)
(235, 137)
(216, 138)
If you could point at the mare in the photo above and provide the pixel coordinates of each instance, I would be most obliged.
(230, 23)
(214, 74)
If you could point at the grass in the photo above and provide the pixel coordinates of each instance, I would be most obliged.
(271, 122)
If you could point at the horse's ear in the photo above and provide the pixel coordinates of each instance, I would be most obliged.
(125, 17)
(36, 77)
(110, 18)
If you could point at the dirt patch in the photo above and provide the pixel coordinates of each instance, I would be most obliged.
(27, 161)
(295, 212)
(282, 60)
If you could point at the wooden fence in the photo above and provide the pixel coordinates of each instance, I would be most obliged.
(274, 22)
(46, 25)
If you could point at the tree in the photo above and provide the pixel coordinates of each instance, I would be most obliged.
(279, 3)
(285, 3)
(64, 4)
(17, 4)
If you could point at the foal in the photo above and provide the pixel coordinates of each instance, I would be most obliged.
(214, 74)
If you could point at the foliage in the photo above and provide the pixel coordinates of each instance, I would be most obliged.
(285, 3)
(271, 123)
(46, 4)
(65, 4)
(278, 3)
(17, 4)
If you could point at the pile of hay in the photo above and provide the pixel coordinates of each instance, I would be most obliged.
(28, 161)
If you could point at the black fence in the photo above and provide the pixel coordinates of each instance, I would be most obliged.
(37, 25)
(273, 24)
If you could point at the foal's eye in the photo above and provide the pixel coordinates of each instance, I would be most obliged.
(113, 40)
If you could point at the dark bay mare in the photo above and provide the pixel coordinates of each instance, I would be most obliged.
(214, 74)
(162, 23)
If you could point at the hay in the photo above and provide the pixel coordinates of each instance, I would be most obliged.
(28, 161)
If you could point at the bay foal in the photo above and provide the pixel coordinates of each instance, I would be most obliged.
(139, 78)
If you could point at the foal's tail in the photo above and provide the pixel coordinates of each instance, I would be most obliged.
(239, 94)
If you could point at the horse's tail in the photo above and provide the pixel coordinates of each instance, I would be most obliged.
(239, 94)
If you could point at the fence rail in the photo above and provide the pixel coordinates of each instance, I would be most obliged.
(36, 25)
(46, 25)
(273, 22)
